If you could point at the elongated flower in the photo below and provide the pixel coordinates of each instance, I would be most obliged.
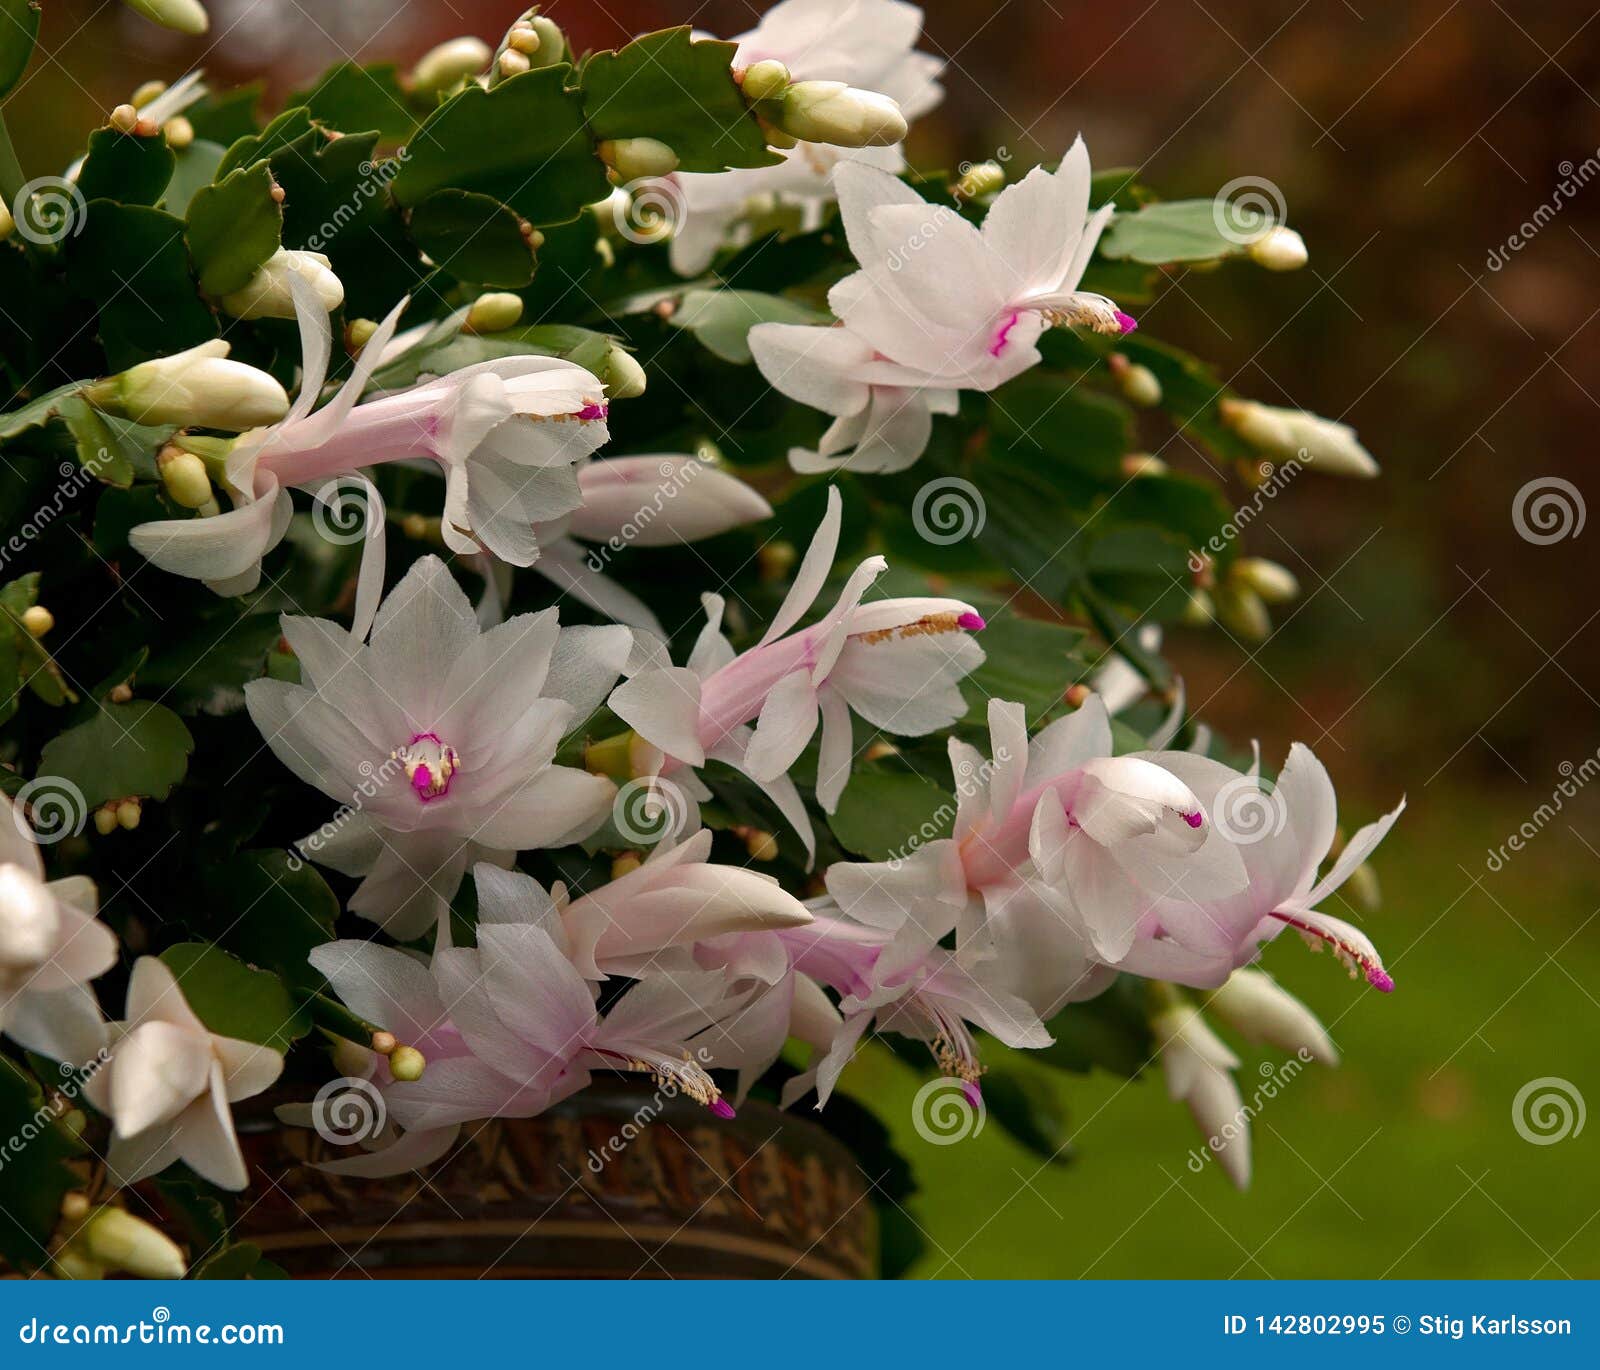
(506, 434)
(866, 44)
(440, 739)
(1199, 1070)
(896, 662)
(267, 294)
(200, 387)
(938, 305)
(1259, 1009)
(169, 1082)
(51, 946)
(1059, 849)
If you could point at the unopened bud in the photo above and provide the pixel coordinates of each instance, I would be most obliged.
(1077, 696)
(524, 38)
(552, 45)
(269, 293)
(1329, 446)
(124, 118)
(1274, 583)
(407, 1063)
(762, 846)
(440, 68)
(179, 132)
(1241, 610)
(1259, 1010)
(626, 377)
(384, 1042)
(120, 694)
(38, 620)
(8, 225)
(1137, 464)
(633, 158)
(879, 750)
(74, 1205)
(625, 864)
(185, 477)
(1279, 249)
(120, 1241)
(765, 80)
(1139, 384)
(105, 820)
(981, 179)
(198, 388)
(832, 112)
(513, 63)
(493, 313)
(1363, 887)
(1199, 612)
(358, 333)
(148, 92)
(128, 814)
(185, 16)
(776, 560)
(70, 1263)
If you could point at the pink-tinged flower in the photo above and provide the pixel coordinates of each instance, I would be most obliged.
(644, 501)
(440, 739)
(1199, 1070)
(895, 662)
(1282, 832)
(51, 946)
(1059, 849)
(867, 44)
(168, 1084)
(506, 433)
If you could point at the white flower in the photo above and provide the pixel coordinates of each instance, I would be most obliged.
(267, 295)
(197, 388)
(51, 946)
(441, 738)
(1198, 1067)
(169, 1082)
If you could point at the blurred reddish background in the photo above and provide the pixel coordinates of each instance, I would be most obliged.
(1433, 643)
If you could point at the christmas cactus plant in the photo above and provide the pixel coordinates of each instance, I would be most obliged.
(548, 563)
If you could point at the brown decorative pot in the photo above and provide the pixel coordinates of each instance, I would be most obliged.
(616, 1182)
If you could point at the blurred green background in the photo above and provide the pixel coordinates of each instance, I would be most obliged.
(1435, 652)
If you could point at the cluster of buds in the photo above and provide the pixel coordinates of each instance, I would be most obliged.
(1240, 601)
(405, 1063)
(118, 813)
(819, 111)
(533, 41)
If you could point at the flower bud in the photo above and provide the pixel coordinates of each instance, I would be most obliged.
(626, 377)
(981, 179)
(1200, 611)
(407, 1063)
(440, 68)
(1242, 611)
(29, 922)
(512, 63)
(1274, 583)
(632, 158)
(1198, 1066)
(185, 16)
(124, 118)
(832, 112)
(765, 80)
(197, 388)
(358, 333)
(128, 814)
(148, 92)
(762, 846)
(1254, 1005)
(74, 1205)
(1139, 384)
(70, 1263)
(625, 864)
(384, 1043)
(105, 820)
(8, 225)
(1363, 888)
(185, 477)
(120, 694)
(268, 294)
(493, 313)
(119, 1241)
(524, 38)
(1279, 249)
(776, 559)
(552, 45)
(1137, 464)
(179, 133)
(1329, 446)
(38, 620)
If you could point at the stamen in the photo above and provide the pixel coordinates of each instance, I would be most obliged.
(1352, 958)
(927, 626)
(430, 764)
(684, 1077)
(1194, 820)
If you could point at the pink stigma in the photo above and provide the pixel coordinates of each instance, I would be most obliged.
(999, 344)
(1380, 979)
(722, 1108)
(1194, 820)
(1126, 322)
(590, 412)
(973, 1093)
(973, 623)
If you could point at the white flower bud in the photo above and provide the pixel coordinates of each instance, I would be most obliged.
(1279, 249)
(832, 112)
(148, 92)
(524, 38)
(119, 1241)
(552, 45)
(1254, 1005)
(198, 388)
(185, 16)
(179, 133)
(407, 1063)
(627, 378)
(632, 158)
(438, 69)
(1274, 583)
(29, 922)
(1139, 384)
(1199, 612)
(513, 63)
(1329, 446)
(765, 80)
(981, 179)
(1197, 1064)
(493, 313)
(267, 294)
(7, 223)
(1242, 611)
(185, 477)
(38, 620)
